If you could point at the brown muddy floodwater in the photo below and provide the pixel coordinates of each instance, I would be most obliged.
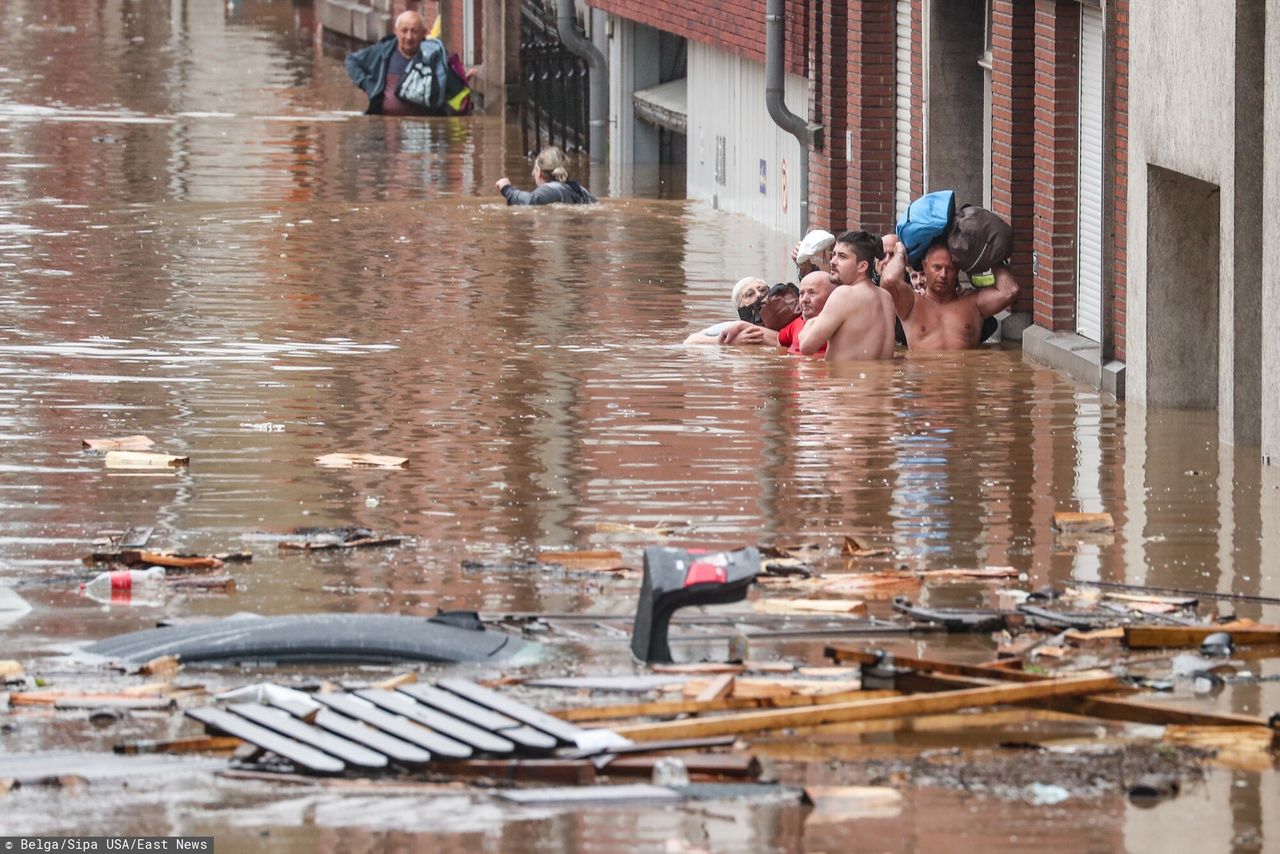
(202, 241)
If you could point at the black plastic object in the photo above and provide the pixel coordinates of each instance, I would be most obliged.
(1217, 645)
(365, 638)
(954, 619)
(676, 578)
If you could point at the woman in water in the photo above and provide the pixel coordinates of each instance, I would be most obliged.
(551, 177)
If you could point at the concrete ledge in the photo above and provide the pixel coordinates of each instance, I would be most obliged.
(362, 21)
(1078, 358)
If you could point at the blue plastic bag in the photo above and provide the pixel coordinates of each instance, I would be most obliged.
(926, 219)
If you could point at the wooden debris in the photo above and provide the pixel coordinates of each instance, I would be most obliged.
(169, 559)
(396, 681)
(595, 560)
(188, 744)
(1247, 748)
(625, 794)
(10, 670)
(143, 460)
(658, 530)
(1069, 522)
(809, 606)
(699, 765)
(124, 443)
(845, 803)
(1147, 637)
(948, 701)
(1097, 636)
(857, 655)
(164, 665)
(90, 702)
(976, 572)
(717, 689)
(219, 583)
(747, 686)
(693, 707)
(700, 667)
(853, 548)
(359, 543)
(572, 772)
(351, 461)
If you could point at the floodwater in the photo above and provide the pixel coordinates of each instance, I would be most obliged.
(203, 241)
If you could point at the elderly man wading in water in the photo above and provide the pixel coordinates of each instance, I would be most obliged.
(943, 318)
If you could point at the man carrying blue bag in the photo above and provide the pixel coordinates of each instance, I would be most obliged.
(408, 74)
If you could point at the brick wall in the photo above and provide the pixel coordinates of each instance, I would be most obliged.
(828, 168)
(1057, 38)
(1013, 131)
(871, 118)
(1120, 211)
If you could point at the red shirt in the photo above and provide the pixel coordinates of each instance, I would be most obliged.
(789, 337)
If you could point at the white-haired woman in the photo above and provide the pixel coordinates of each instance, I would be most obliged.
(552, 184)
(747, 297)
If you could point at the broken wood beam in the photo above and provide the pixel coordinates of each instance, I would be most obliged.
(841, 653)
(732, 765)
(188, 744)
(948, 701)
(573, 772)
(1151, 637)
(728, 704)
(717, 689)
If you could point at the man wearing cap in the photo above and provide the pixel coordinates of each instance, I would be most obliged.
(941, 317)
(856, 322)
(813, 253)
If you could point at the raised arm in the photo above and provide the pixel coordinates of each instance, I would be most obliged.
(999, 296)
(897, 281)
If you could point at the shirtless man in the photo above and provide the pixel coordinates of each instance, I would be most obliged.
(942, 318)
(856, 324)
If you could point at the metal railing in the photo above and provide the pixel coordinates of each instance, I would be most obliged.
(553, 103)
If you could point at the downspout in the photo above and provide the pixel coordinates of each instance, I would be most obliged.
(567, 24)
(775, 99)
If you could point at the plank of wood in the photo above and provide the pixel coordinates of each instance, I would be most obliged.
(124, 443)
(143, 460)
(169, 559)
(839, 652)
(663, 746)
(351, 461)
(573, 772)
(394, 682)
(591, 560)
(287, 725)
(399, 751)
(870, 709)
(161, 665)
(10, 669)
(562, 730)
(1070, 522)
(686, 707)
(187, 744)
(394, 725)
(733, 765)
(717, 689)
(447, 725)
(90, 701)
(1247, 748)
(809, 606)
(1149, 637)
(700, 667)
(300, 754)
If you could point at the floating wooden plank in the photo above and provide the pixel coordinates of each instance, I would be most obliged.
(576, 796)
(169, 559)
(187, 744)
(447, 725)
(693, 707)
(574, 772)
(305, 757)
(562, 730)
(351, 461)
(658, 530)
(731, 765)
(717, 689)
(833, 804)
(207, 583)
(163, 665)
(759, 686)
(499, 724)
(1149, 637)
(854, 548)
(396, 681)
(592, 560)
(702, 667)
(287, 725)
(134, 704)
(809, 606)
(1247, 748)
(10, 670)
(1070, 522)
(870, 709)
(124, 443)
(375, 739)
(857, 655)
(1096, 636)
(394, 725)
(143, 460)
(361, 543)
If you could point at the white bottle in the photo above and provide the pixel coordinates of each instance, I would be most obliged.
(127, 586)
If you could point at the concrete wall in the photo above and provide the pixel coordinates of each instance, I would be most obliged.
(955, 92)
(1182, 119)
(726, 98)
(1270, 321)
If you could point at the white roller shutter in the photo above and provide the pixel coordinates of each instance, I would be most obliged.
(902, 110)
(1089, 239)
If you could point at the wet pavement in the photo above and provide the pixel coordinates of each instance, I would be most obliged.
(202, 241)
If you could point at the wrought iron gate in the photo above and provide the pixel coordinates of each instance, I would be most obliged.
(553, 104)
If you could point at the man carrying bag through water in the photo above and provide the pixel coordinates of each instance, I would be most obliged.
(407, 74)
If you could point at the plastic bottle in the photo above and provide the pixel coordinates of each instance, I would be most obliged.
(127, 586)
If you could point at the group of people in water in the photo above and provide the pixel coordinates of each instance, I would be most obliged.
(859, 297)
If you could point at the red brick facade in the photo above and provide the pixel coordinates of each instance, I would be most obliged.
(869, 202)
(1013, 130)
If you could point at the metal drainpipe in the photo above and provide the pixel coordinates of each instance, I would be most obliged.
(567, 25)
(775, 99)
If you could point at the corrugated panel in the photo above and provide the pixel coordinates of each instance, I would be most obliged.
(1089, 242)
(902, 110)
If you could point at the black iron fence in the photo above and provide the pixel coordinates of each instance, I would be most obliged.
(553, 105)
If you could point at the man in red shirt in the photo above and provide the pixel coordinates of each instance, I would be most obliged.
(814, 290)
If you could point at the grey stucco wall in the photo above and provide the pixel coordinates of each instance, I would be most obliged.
(1182, 111)
(1271, 244)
